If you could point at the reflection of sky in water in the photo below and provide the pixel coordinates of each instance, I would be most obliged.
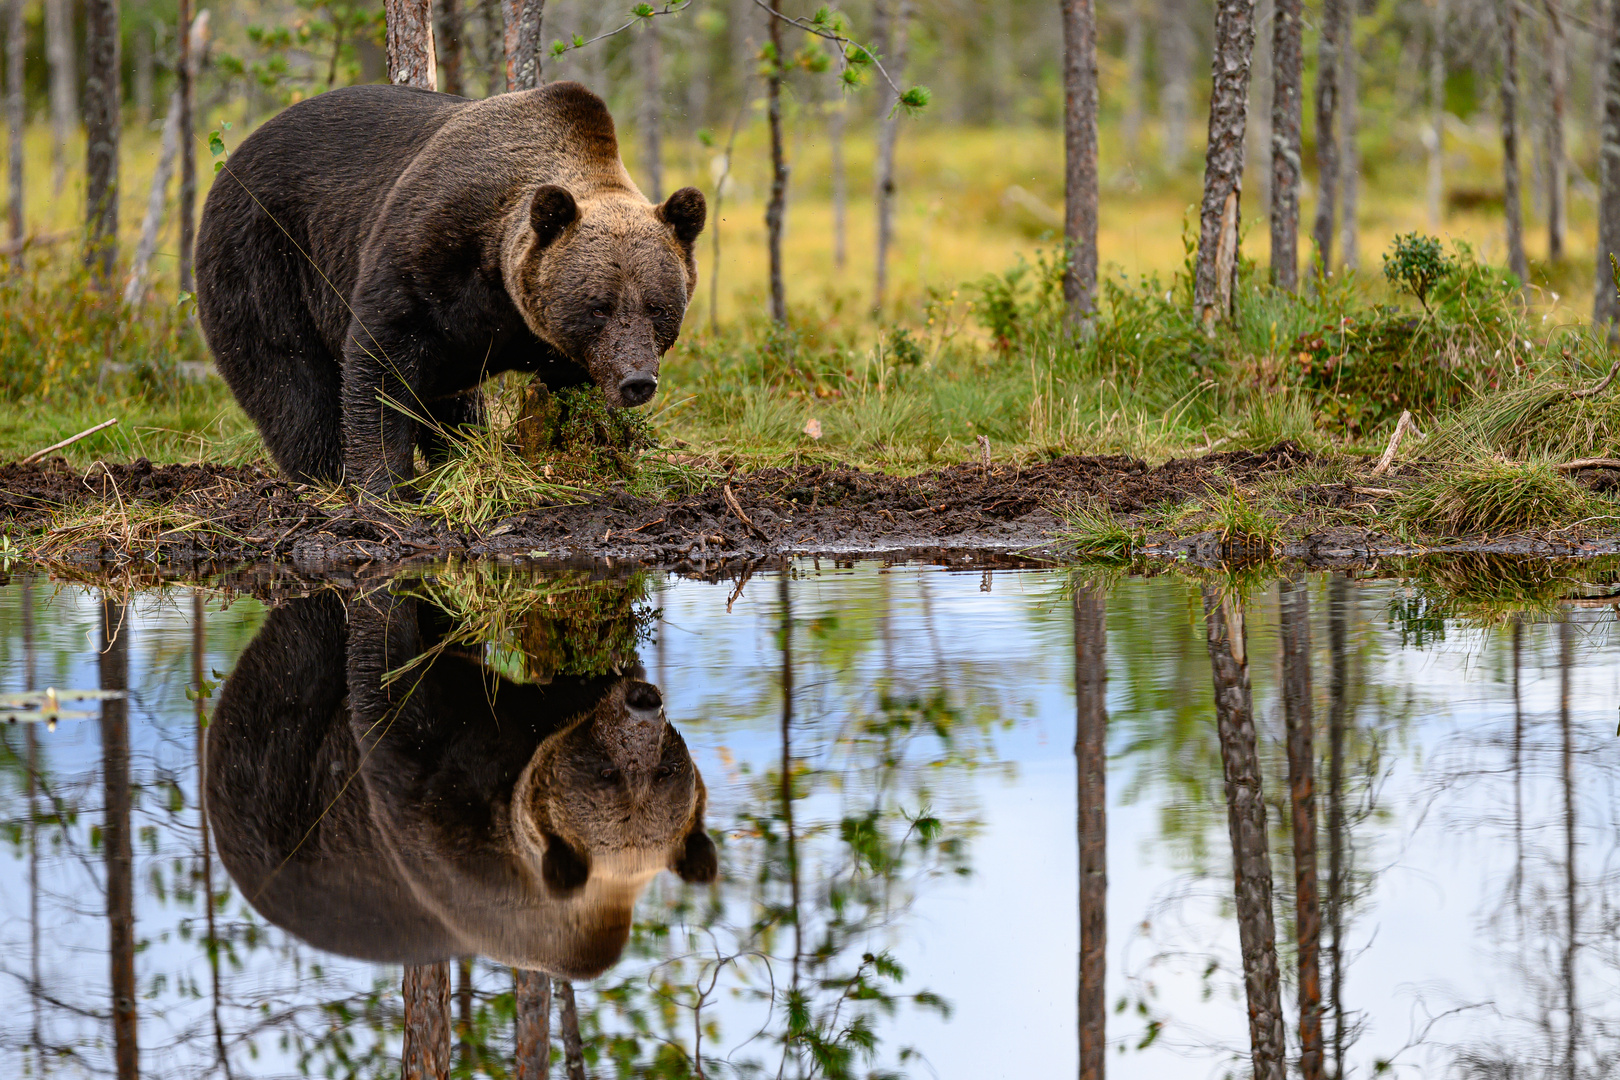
(1434, 934)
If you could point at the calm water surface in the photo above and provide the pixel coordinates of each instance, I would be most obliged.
(509, 768)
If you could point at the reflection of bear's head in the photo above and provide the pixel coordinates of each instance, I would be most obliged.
(600, 273)
(450, 812)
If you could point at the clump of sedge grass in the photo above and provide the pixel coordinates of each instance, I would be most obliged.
(1497, 496)
(1240, 521)
(1095, 531)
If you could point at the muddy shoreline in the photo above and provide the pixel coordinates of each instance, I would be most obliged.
(185, 515)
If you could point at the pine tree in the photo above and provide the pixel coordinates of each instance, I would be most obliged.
(1220, 215)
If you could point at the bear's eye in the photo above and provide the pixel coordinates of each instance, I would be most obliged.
(655, 311)
(599, 313)
(608, 773)
(664, 772)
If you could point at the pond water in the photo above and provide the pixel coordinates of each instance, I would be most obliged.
(519, 767)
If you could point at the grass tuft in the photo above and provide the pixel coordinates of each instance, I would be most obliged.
(1096, 532)
(1493, 496)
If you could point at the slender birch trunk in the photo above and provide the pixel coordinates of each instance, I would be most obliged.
(840, 183)
(60, 53)
(1606, 307)
(1557, 152)
(1334, 17)
(1080, 159)
(1295, 622)
(573, 1046)
(652, 108)
(531, 991)
(1338, 717)
(1350, 152)
(103, 101)
(1091, 759)
(426, 990)
(16, 123)
(776, 208)
(1246, 822)
(1507, 15)
(193, 41)
(411, 60)
(113, 663)
(1436, 138)
(1287, 71)
(1572, 1027)
(894, 16)
(1220, 215)
(451, 45)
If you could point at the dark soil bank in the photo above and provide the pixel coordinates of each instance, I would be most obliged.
(212, 513)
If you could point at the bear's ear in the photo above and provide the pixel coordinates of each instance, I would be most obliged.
(552, 211)
(696, 863)
(562, 868)
(685, 212)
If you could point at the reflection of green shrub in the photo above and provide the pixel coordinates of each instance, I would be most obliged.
(1486, 590)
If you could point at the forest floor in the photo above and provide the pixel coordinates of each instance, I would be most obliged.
(1228, 507)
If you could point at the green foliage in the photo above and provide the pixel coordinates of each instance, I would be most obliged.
(1096, 532)
(1416, 263)
(1495, 497)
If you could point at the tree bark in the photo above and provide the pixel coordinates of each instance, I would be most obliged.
(1220, 215)
(411, 61)
(1436, 138)
(1295, 622)
(193, 35)
(113, 664)
(103, 98)
(1091, 759)
(16, 124)
(652, 109)
(1338, 717)
(1350, 148)
(776, 207)
(1135, 80)
(532, 992)
(840, 183)
(1507, 14)
(1080, 159)
(60, 52)
(1327, 132)
(1572, 1028)
(1246, 823)
(1175, 52)
(1606, 307)
(894, 20)
(573, 1046)
(451, 29)
(427, 1022)
(1557, 154)
(1287, 69)
(524, 22)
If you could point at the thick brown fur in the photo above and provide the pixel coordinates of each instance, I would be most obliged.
(451, 812)
(369, 256)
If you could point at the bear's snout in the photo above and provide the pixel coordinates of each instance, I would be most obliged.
(638, 389)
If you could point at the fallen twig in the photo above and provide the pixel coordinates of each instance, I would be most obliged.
(1374, 491)
(984, 455)
(1589, 463)
(1404, 424)
(736, 508)
(1601, 386)
(69, 441)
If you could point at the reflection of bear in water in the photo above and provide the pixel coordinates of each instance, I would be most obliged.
(452, 812)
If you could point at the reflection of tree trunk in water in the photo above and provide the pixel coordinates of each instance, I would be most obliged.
(427, 1022)
(1566, 643)
(464, 1017)
(198, 651)
(113, 662)
(1518, 774)
(1091, 760)
(1246, 823)
(573, 1046)
(31, 742)
(787, 769)
(1338, 708)
(1296, 642)
(531, 990)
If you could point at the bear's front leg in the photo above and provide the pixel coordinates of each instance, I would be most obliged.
(380, 406)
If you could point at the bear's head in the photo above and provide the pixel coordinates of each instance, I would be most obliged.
(616, 794)
(606, 280)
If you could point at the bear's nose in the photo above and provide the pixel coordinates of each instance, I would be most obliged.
(638, 389)
(643, 696)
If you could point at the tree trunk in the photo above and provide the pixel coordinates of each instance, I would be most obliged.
(60, 52)
(103, 98)
(1350, 150)
(1436, 138)
(840, 183)
(1295, 622)
(31, 744)
(524, 21)
(1606, 307)
(16, 123)
(1507, 15)
(199, 650)
(193, 34)
(172, 146)
(573, 1046)
(1080, 159)
(1334, 18)
(410, 44)
(775, 209)
(1175, 53)
(894, 20)
(1220, 215)
(1338, 716)
(1135, 82)
(1091, 759)
(490, 14)
(652, 102)
(427, 1022)
(451, 28)
(1246, 823)
(113, 664)
(466, 1050)
(1287, 68)
(789, 826)
(1557, 155)
(143, 75)
(531, 991)
(1572, 1029)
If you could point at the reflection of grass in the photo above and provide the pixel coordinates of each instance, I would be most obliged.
(1488, 590)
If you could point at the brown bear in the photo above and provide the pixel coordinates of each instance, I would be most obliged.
(449, 812)
(370, 255)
